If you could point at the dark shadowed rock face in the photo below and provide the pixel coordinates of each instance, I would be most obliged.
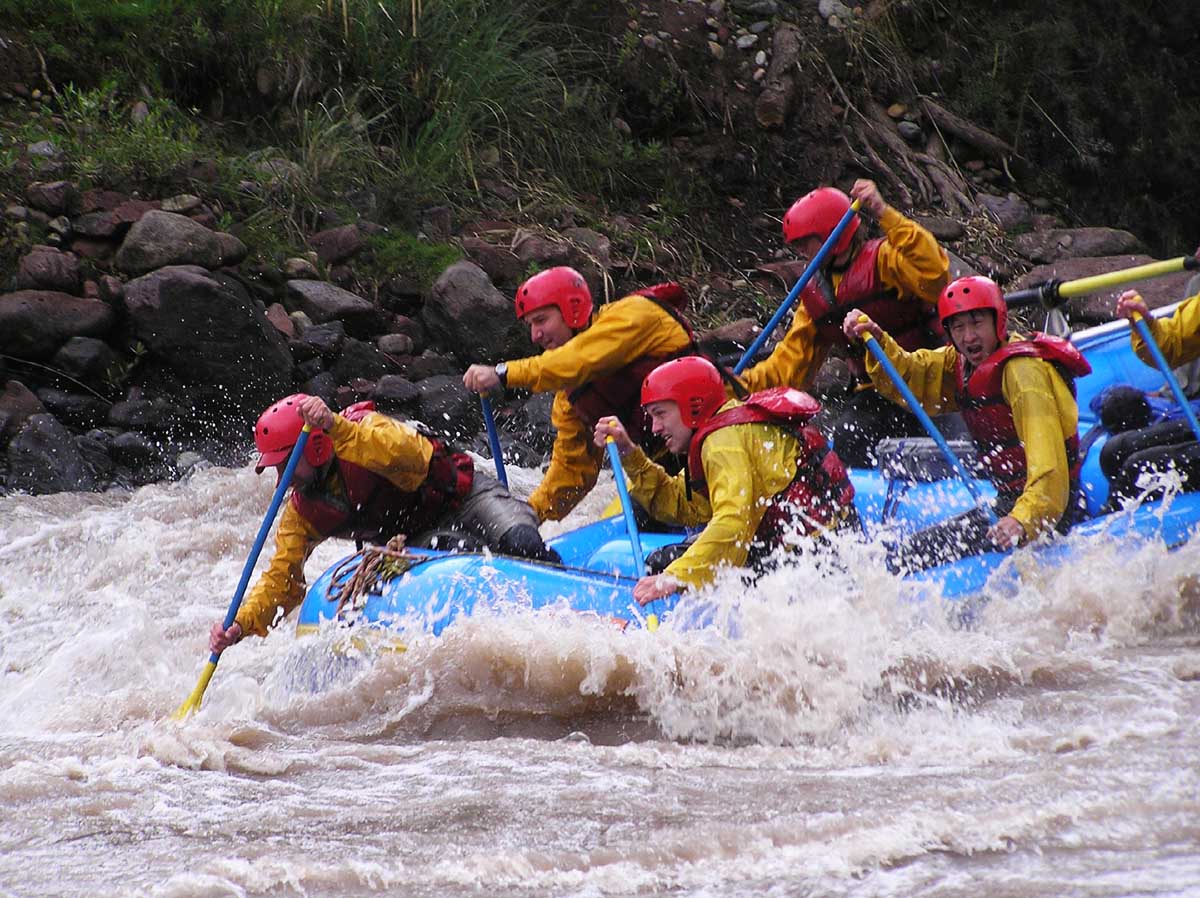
(213, 344)
(44, 458)
(449, 408)
(35, 323)
(469, 316)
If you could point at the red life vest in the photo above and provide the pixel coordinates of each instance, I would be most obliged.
(912, 323)
(619, 392)
(371, 508)
(820, 494)
(989, 417)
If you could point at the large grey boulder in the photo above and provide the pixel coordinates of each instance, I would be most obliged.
(468, 316)
(159, 239)
(210, 345)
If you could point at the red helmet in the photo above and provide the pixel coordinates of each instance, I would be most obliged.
(278, 429)
(692, 382)
(562, 287)
(974, 292)
(816, 214)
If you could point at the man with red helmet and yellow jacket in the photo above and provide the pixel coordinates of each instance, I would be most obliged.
(756, 470)
(1017, 397)
(595, 366)
(895, 279)
(368, 477)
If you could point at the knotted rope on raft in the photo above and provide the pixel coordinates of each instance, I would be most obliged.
(366, 572)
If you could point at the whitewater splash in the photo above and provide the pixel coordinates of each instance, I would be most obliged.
(547, 751)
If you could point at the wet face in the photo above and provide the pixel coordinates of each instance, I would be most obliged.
(667, 422)
(973, 334)
(547, 328)
(304, 475)
(807, 247)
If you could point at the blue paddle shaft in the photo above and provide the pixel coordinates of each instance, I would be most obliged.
(276, 501)
(790, 300)
(489, 421)
(626, 505)
(1172, 382)
(886, 364)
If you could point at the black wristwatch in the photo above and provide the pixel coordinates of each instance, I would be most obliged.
(502, 373)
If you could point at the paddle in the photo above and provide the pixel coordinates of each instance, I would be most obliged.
(635, 542)
(1053, 294)
(1165, 369)
(489, 421)
(886, 364)
(794, 293)
(192, 702)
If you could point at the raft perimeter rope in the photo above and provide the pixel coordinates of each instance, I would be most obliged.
(371, 568)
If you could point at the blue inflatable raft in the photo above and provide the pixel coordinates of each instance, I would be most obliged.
(598, 570)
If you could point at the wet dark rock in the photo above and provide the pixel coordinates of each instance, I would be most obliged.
(396, 344)
(322, 302)
(146, 415)
(134, 448)
(85, 358)
(97, 225)
(533, 249)
(209, 344)
(449, 408)
(75, 409)
(300, 269)
(413, 329)
(393, 392)
(428, 364)
(319, 341)
(531, 423)
(501, 265)
(438, 222)
(53, 197)
(467, 315)
(17, 405)
(49, 269)
(44, 458)
(337, 244)
(941, 226)
(95, 454)
(1011, 211)
(362, 360)
(35, 323)
(278, 317)
(162, 238)
(323, 385)
(1076, 243)
(730, 340)
(309, 369)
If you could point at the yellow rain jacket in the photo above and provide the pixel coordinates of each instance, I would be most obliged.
(745, 466)
(621, 333)
(1044, 413)
(910, 261)
(378, 443)
(1178, 336)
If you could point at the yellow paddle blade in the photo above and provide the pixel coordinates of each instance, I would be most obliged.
(192, 702)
